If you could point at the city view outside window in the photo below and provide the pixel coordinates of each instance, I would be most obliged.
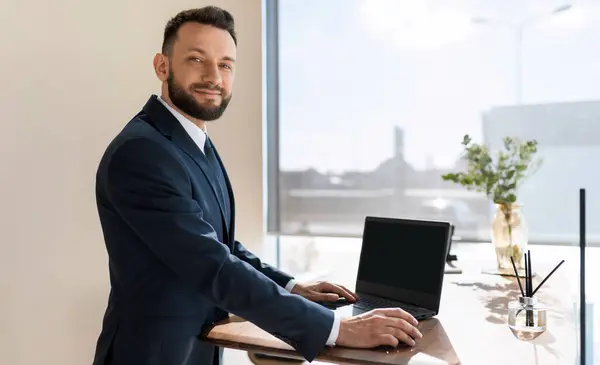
(374, 98)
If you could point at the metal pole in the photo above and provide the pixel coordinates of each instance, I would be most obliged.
(582, 301)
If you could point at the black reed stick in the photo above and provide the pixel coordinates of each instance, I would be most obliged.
(526, 276)
(528, 313)
(517, 274)
(582, 244)
(546, 278)
(530, 273)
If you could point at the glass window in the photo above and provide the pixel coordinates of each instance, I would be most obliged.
(374, 98)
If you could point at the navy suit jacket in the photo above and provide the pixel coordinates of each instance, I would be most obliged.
(175, 266)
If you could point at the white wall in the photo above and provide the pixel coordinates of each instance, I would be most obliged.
(73, 72)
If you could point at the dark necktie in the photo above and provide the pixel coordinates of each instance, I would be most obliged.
(220, 176)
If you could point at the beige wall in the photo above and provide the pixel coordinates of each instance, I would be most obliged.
(73, 72)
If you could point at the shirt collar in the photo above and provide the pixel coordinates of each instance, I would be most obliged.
(196, 133)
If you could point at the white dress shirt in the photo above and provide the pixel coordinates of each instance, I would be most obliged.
(199, 137)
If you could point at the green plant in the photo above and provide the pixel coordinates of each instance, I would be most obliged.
(499, 179)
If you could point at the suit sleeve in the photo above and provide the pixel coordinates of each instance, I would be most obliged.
(150, 189)
(278, 276)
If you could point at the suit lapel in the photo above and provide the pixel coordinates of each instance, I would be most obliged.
(229, 192)
(170, 127)
(183, 140)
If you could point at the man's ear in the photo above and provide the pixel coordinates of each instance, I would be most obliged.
(161, 66)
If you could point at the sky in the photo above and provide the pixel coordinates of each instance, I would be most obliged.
(351, 70)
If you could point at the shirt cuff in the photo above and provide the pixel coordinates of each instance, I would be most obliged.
(337, 319)
(290, 285)
(335, 329)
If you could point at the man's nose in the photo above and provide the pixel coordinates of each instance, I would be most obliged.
(212, 75)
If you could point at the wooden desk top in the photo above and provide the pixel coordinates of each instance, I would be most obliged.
(470, 329)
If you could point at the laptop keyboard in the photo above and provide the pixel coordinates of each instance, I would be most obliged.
(368, 302)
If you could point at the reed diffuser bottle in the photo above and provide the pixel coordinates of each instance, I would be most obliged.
(527, 316)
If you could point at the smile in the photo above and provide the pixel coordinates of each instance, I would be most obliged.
(207, 92)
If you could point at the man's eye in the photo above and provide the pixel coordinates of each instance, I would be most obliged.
(226, 66)
(196, 59)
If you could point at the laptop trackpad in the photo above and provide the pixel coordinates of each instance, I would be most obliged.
(356, 310)
(335, 305)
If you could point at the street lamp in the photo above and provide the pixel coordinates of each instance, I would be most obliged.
(518, 28)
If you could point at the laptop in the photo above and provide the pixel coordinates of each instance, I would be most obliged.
(402, 265)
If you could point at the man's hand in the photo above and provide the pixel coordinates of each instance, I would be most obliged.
(324, 291)
(379, 327)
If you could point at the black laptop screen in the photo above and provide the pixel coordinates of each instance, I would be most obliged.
(405, 255)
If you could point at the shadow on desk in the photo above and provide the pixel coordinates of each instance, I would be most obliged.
(433, 348)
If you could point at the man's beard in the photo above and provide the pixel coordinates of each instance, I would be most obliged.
(187, 104)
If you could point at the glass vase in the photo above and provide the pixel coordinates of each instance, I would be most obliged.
(509, 235)
(526, 318)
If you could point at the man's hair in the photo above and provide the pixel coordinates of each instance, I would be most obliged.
(208, 15)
